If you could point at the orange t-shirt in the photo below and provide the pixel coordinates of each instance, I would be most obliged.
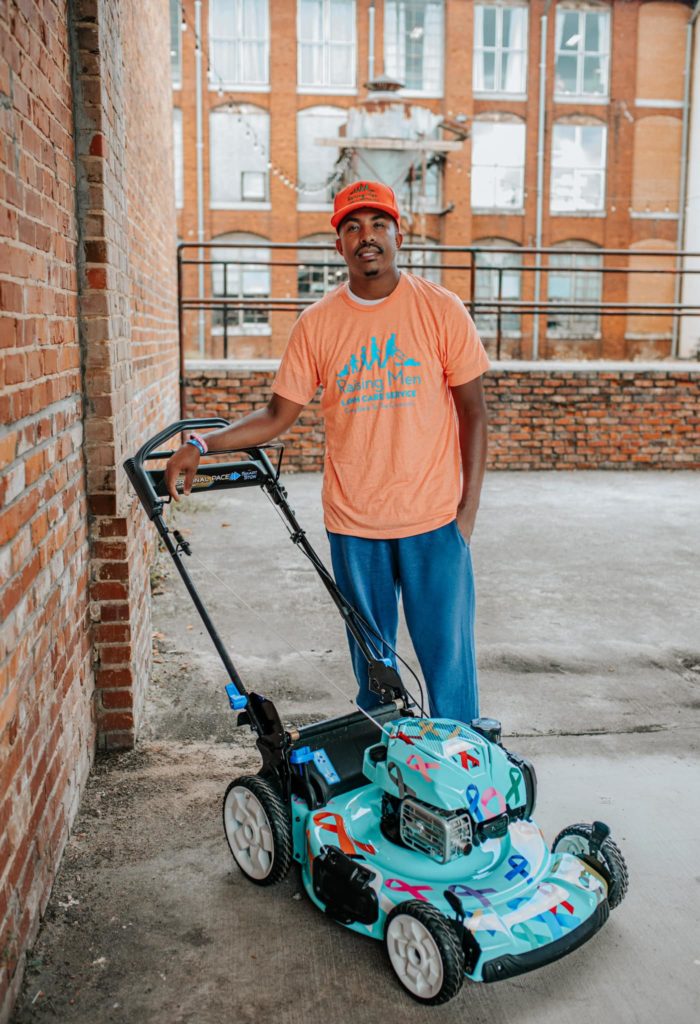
(392, 463)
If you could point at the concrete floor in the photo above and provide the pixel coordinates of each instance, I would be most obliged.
(589, 652)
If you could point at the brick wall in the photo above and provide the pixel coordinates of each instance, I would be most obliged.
(88, 367)
(541, 415)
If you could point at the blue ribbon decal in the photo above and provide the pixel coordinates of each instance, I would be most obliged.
(473, 798)
(519, 866)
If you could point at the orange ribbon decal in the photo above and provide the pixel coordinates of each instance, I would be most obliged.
(331, 822)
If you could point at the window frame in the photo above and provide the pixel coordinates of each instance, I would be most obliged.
(581, 53)
(498, 50)
(241, 329)
(175, 54)
(238, 204)
(229, 85)
(482, 320)
(422, 92)
(178, 164)
(517, 211)
(327, 261)
(326, 87)
(570, 332)
(578, 211)
(314, 205)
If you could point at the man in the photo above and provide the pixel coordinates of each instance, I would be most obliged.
(400, 362)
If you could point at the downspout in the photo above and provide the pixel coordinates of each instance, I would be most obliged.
(683, 188)
(540, 179)
(200, 161)
(370, 57)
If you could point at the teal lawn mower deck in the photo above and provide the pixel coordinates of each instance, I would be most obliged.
(408, 829)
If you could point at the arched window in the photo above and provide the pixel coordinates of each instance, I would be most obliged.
(574, 279)
(320, 271)
(316, 164)
(424, 262)
(239, 274)
(239, 144)
(498, 276)
(578, 167)
(498, 163)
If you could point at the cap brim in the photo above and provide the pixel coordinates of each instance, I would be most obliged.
(345, 211)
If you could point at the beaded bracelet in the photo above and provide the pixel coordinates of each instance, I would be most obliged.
(198, 442)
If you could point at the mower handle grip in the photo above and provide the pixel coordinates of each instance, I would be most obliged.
(140, 480)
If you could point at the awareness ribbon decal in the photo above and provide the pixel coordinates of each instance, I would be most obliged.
(416, 762)
(402, 736)
(514, 791)
(473, 798)
(468, 759)
(396, 885)
(519, 866)
(522, 930)
(337, 825)
(478, 894)
(493, 794)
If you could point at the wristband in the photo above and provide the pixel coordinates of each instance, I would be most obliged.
(198, 442)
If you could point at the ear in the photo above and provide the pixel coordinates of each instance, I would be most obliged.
(339, 245)
(399, 239)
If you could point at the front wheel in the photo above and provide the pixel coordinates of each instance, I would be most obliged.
(610, 863)
(425, 952)
(258, 830)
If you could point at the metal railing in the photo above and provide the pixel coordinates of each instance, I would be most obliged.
(466, 268)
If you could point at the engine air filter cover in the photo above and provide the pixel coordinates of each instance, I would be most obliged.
(442, 835)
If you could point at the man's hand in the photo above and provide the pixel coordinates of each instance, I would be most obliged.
(466, 518)
(184, 460)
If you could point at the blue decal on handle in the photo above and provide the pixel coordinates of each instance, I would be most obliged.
(324, 765)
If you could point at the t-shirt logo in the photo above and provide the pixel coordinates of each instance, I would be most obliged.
(388, 382)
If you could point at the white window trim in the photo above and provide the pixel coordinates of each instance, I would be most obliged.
(241, 206)
(328, 89)
(651, 215)
(243, 331)
(426, 94)
(230, 86)
(497, 94)
(562, 9)
(580, 214)
(511, 97)
(664, 104)
(583, 101)
(501, 211)
(314, 207)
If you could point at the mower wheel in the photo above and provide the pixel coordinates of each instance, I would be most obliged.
(610, 863)
(258, 830)
(425, 952)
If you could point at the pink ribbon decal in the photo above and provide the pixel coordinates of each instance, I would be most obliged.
(416, 762)
(396, 885)
(490, 794)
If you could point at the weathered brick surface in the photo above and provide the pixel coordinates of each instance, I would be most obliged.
(88, 366)
(541, 416)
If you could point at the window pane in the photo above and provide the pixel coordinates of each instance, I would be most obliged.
(341, 21)
(593, 35)
(512, 77)
(513, 31)
(592, 146)
(175, 42)
(341, 70)
(565, 75)
(489, 70)
(590, 190)
(594, 76)
(316, 163)
(235, 150)
(510, 190)
(562, 190)
(413, 43)
(570, 36)
(223, 18)
(311, 20)
(489, 26)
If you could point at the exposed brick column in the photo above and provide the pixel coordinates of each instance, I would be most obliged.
(112, 295)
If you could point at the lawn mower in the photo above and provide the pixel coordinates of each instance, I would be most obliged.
(413, 830)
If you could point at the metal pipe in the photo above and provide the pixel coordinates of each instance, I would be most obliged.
(370, 56)
(683, 187)
(541, 126)
(200, 156)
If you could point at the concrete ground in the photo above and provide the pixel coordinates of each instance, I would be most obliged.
(589, 652)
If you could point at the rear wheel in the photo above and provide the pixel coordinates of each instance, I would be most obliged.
(258, 830)
(609, 863)
(425, 952)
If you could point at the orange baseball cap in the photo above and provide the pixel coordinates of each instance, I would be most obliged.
(372, 194)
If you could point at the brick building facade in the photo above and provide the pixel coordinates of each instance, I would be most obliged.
(87, 338)
(288, 73)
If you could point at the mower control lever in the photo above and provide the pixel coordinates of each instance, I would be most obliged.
(599, 834)
(385, 681)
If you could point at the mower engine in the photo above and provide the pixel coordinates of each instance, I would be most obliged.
(446, 787)
(442, 835)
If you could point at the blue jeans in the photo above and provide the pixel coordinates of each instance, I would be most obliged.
(433, 573)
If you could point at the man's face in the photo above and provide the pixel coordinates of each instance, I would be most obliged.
(368, 241)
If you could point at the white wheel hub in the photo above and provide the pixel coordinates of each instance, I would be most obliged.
(249, 832)
(415, 956)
